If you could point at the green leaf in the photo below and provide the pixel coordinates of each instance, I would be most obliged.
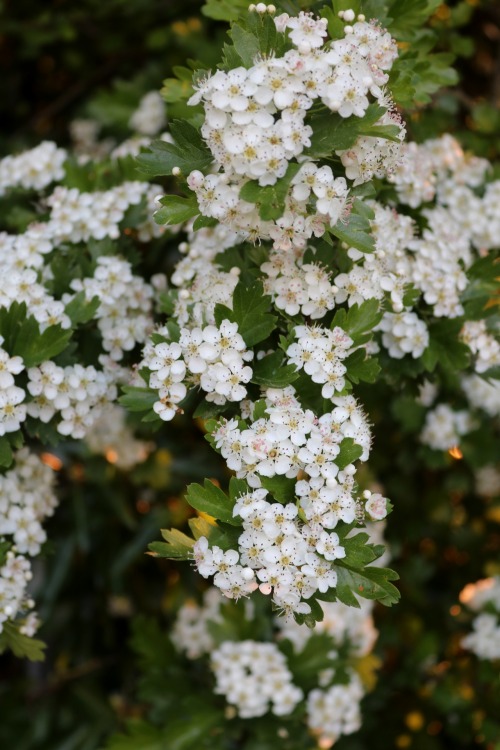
(212, 500)
(224, 10)
(6, 456)
(270, 200)
(362, 367)
(370, 583)
(237, 487)
(176, 209)
(445, 348)
(200, 527)
(47, 346)
(335, 24)
(79, 310)
(250, 312)
(310, 660)
(178, 89)
(359, 320)
(21, 645)
(349, 452)
(281, 488)
(355, 231)
(138, 399)
(410, 14)
(315, 615)
(204, 221)
(389, 132)
(359, 551)
(332, 133)
(187, 153)
(207, 409)
(245, 44)
(177, 546)
(22, 336)
(270, 371)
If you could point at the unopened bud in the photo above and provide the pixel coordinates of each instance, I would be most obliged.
(176, 171)
(349, 15)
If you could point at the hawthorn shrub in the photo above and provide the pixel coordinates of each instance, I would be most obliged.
(264, 322)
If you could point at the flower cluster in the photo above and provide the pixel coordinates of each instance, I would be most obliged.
(336, 710)
(484, 597)
(33, 169)
(482, 394)
(212, 358)
(298, 287)
(124, 315)
(483, 345)
(404, 333)
(149, 117)
(444, 427)
(341, 624)
(258, 123)
(27, 497)
(254, 678)
(190, 632)
(76, 216)
(290, 550)
(319, 352)
(74, 395)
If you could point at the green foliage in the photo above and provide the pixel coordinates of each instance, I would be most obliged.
(176, 209)
(177, 546)
(79, 310)
(250, 312)
(349, 452)
(270, 199)
(6, 456)
(139, 734)
(138, 399)
(224, 10)
(362, 367)
(188, 152)
(419, 73)
(368, 582)
(445, 348)
(335, 133)
(359, 320)
(22, 336)
(21, 645)
(355, 230)
(257, 37)
(281, 488)
(212, 500)
(271, 373)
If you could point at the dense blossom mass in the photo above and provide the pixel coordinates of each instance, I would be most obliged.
(257, 128)
(293, 283)
(254, 676)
